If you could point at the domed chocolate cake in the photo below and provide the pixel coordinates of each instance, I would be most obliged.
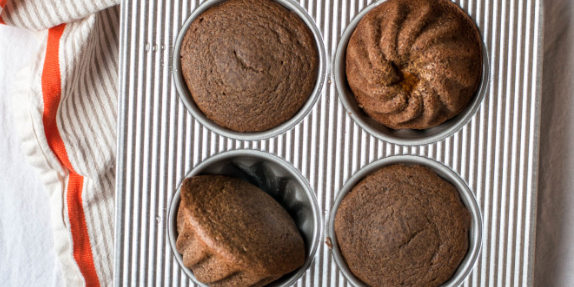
(403, 226)
(250, 65)
(413, 64)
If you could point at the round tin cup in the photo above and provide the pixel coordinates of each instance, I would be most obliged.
(403, 136)
(277, 178)
(467, 198)
(187, 99)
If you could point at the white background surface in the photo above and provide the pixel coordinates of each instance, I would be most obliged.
(27, 257)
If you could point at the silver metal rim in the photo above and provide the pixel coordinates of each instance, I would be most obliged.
(288, 168)
(189, 103)
(401, 137)
(466, 195)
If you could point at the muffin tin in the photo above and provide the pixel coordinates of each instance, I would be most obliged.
(187, 99)
(275, 177)
(492, 150)
(404, 136)
(466, 196)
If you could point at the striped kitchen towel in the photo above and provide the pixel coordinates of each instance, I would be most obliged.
(66, 106)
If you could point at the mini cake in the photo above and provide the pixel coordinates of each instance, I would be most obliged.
(403, 226)
(413, 64)
(231, 233)
(250, 65)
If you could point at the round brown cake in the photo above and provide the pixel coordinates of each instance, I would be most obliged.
(231, 233)
(403, 226)
(413, 64)
(250, 65)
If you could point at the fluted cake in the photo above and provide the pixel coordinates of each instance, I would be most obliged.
(403, 226)
(250, 65)
(231, 233)
(413, 64)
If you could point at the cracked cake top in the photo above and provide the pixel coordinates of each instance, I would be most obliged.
(403, 226)
(250, 65)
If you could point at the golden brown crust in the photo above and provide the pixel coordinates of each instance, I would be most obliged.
(403, 226)
(250, 65)
(414, 63)
(231, 233)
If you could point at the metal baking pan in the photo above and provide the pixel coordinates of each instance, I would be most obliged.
(495, 152)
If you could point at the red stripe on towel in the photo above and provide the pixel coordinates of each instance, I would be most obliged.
(51, 91)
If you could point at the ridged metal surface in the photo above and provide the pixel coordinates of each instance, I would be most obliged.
(496, 153)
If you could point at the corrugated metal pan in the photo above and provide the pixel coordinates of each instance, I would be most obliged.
(495, 153)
